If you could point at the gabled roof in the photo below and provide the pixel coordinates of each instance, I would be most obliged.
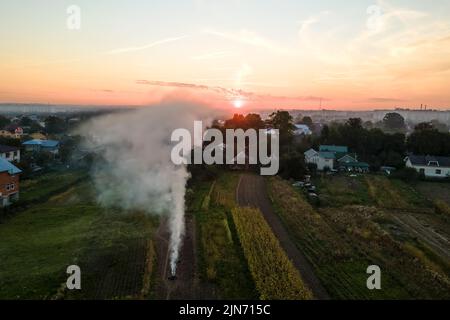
(327, 155)
(42, 143)
(431, 161)
(310, 153)
(6, 166)
(340, 149)
(4, 148)
(347, 158)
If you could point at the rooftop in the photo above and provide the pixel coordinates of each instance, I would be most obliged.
(5, 148)
(327, 155)
(431, 161)
(340, 149)
(6, 166)
(42, 143)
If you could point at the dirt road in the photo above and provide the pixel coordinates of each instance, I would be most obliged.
(183, 287)
(251, 192)
(187, 285)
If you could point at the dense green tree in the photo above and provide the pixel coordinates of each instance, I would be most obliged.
(426, 140)
(394, 121)
(292, 166)
(283, 121)
(4, 121)
(54, 124)
(254, 121)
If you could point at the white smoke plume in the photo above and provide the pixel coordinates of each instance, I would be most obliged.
(135, 170)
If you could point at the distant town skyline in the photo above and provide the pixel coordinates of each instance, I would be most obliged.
(238, 54)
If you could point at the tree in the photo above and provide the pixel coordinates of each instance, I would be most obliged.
(283, 121)
(25, 122)
(254, 121)
(428, 141)
(307, 120)
(325, 134)
(368, 125)
(394, 121)
(4, 121)
(54, 125)
(292, 166)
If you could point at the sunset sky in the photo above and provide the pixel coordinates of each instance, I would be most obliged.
(353, 54)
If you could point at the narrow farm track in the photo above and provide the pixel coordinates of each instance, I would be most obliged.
(251, 192)
(183, 287)
(439, 243)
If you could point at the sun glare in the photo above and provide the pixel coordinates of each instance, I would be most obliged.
(238, 103)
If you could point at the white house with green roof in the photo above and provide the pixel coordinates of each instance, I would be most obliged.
(330, 157)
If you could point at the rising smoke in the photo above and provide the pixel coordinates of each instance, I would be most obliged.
(134, 169)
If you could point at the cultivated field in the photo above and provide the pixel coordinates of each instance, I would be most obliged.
(275, 276)
(221, 259)
(362, 221)
(64, 227)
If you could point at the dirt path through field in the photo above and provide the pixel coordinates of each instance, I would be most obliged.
(187, 284)
(251, 192)
(183, 287)
(439, 243)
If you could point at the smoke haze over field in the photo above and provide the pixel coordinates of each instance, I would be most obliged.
(135, 170)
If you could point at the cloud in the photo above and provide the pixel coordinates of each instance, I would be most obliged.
(249, 38)
(147, 46)
(214, 55)
(231, 94)
(384, 100)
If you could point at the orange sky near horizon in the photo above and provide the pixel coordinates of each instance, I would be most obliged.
(240, 54)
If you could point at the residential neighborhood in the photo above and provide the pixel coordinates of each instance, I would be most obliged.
(9, 182)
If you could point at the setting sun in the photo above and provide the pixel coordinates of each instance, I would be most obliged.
(238, 103)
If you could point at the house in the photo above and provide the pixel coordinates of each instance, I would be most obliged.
(12, 131)
(37, 145)
(429, 166)
(12, 154)
(350, 163)
(9, 182)
(335, 149)
(335, 158)
(38, 136)
(302, 129)
(323, 159)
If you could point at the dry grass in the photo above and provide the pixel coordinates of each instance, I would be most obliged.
(442, 207)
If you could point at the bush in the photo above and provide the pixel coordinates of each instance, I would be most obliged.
(406, 174)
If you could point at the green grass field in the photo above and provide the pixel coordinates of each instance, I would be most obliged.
(38, 243)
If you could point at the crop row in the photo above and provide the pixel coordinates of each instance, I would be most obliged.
(274, 274)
